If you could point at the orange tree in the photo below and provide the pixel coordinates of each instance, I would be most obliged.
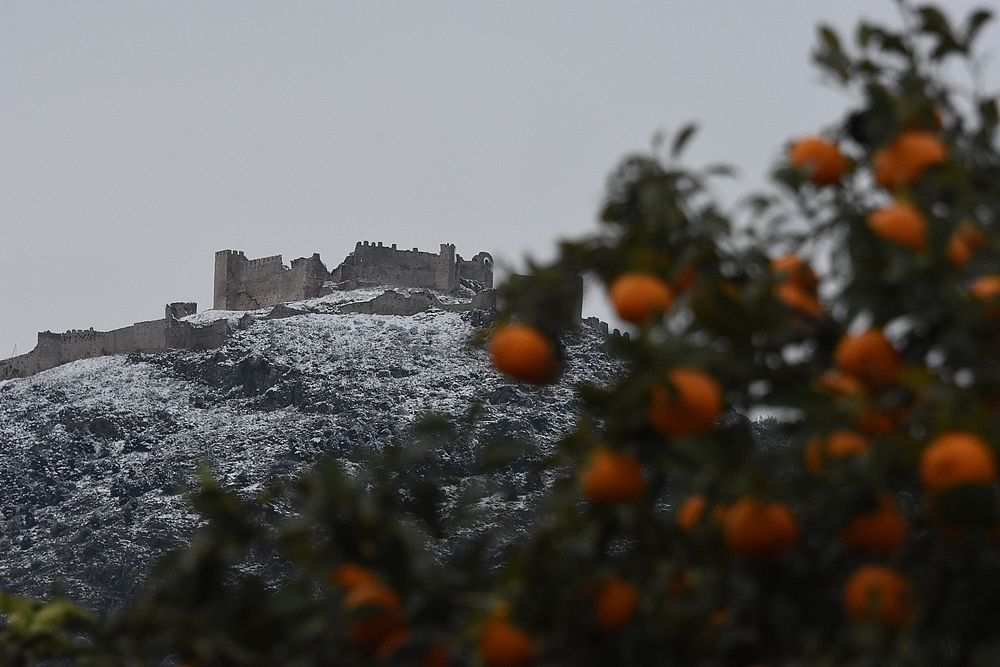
(867, 533)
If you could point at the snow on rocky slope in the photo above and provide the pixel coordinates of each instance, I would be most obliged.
(94, 454)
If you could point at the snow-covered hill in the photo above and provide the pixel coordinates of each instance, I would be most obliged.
(94, 454)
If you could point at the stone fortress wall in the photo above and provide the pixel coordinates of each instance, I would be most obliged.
(247, 284)
(54, 349)
(250, 284)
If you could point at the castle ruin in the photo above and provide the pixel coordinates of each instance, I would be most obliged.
(250, 284)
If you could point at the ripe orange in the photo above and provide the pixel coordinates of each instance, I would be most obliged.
(760, 531)
(690, 511)
(502, 644)
(870, 357)
(637, 296)
(839, 383)
(986, 287)
(964, 241)
(877, 422)
(957, 457)
(880, 595)
(823, 160)
(903, 161)
(793, 270)
(436, 656)
(390, 644)
(612, 477)
(688, 410)
(900, 223)
(684, 580)
(524, 352)
(351, 576)
(834, 445)
(615, 604)
(881, 531)
(371, 630)
(798, 299)
(686, 277)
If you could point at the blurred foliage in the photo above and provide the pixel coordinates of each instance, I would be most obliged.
(254, 586)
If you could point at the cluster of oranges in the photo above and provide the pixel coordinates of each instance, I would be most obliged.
(867, 370)
(897, 166)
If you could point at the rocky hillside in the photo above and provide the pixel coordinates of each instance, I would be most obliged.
(94, 455)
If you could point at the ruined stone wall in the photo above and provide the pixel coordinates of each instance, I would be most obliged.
(478, 270)
(375, 264)
(20, 366)
(55, 349)
(248, 284)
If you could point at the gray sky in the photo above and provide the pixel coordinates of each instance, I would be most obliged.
(138, 138)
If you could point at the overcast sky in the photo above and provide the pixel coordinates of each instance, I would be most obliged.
(138, 138)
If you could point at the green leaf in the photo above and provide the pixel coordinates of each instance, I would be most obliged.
(830, 37)
(989, 113)
(682, 138)
(934, 22)
(831, 56)
(975, 23)
(865, 33)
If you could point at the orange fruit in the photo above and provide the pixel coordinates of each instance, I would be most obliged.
(876, 422)
(793, 270)
(957, 457)
(798, 299)
(715, 622)
(685, 278)
(351, 576)
(870, 357)
(690, 511)
(839, 383)
(682, 582)
(986, 287)
(612, 477)
(760, 531)
(881, 531)
(523, 352)
(637, 297)
(692, 406)
(615, 604)
(880, 595)
(502, 644)
(823, 160)
(900, 223)
(903, 161)
(834, 445)
(964, 241)
(371, 630)
(436, 656)
(391, 643)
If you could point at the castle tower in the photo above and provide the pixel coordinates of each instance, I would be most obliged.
(229, 265)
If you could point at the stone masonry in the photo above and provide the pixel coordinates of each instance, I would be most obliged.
(248, 284)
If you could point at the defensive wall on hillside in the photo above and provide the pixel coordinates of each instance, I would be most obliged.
(54, 349)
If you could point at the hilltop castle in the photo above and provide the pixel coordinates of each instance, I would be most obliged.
(250, 284)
